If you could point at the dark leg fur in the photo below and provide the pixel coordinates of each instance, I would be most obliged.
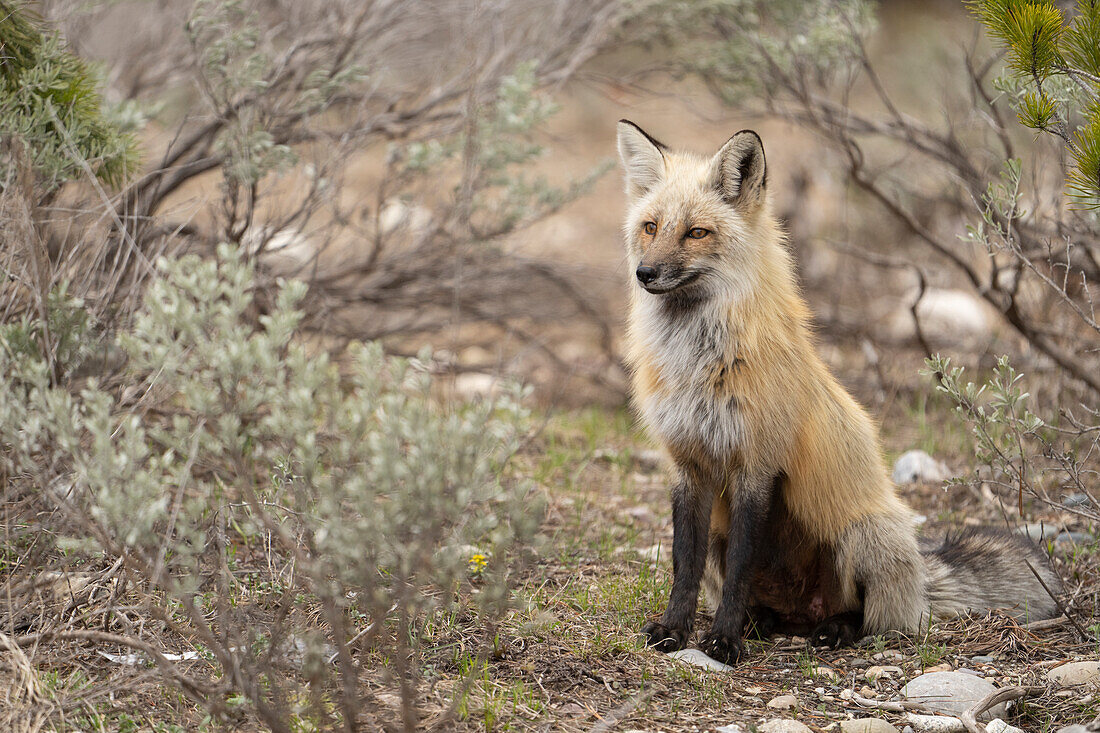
(843, 629)
(690, 525)
(749, 505)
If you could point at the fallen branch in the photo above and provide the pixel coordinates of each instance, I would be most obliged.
(970, 717)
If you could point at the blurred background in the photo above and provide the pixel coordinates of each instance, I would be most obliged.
(443, 173)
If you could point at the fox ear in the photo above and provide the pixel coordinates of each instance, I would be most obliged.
(740, 171)
(643, 158)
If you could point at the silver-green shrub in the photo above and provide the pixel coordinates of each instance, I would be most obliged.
(227, 435)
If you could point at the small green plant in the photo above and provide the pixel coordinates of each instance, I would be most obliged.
(999, 418)
(807, 665)
(929, 652)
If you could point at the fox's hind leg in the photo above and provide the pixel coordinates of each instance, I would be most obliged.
(878, 563)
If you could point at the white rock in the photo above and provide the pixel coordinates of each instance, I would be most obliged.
(474, 385)
(1075, 673)
(784, 725)
(1074, 729)
(951, 693)
(867, 725)
(397, 215)
(732, 728)
(699, 659)
(873, 673)
(1038, 531)
(999, 726)
(783, 702)
(946, 317)
(916, 466)
(935, 723)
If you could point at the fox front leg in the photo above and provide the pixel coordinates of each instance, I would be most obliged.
(690, 525)
(749, 503)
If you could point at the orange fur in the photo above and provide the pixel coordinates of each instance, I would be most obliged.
(726, 375)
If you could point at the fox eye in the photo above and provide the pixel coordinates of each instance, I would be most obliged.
(650, 228)
(698, 232)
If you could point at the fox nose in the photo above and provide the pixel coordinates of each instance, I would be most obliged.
(646, 274)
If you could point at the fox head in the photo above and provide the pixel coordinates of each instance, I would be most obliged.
(693, 223)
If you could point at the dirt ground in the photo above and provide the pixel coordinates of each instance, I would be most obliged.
(574, 662)
(568, 657)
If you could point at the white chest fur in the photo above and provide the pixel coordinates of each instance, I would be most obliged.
(687, 347)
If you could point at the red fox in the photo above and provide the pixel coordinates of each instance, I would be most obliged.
(783, 508)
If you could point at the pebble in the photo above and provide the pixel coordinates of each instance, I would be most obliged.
(1074, 538)
(952, 693)
(982, 659)
(916, 466)
(935, 723)
(699, 659)
(1075, 673)
(999, 726)
(1038, 531)
(888, 654)
(866, 691)
(731, 728)
(873, 673)
(825, 672)
(1077, 499)
(1074, 729)
(859, 662)
(783, 702)
(866, 725)
(945, 667)
(783, 725)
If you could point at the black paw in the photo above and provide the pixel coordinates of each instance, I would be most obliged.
(761, 622)
(664, 639)
(837, 631)
(723, 648)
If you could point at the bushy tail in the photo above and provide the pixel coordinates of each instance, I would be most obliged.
(978, 569)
